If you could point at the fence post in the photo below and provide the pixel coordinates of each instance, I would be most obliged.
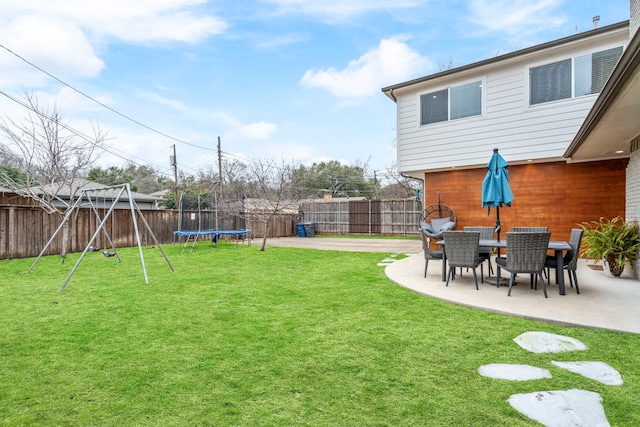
(12, 235)
(369, 217)
(404, 226)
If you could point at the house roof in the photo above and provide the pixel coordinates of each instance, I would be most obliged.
(79, 184)
(612, 122)
(161, 194)
(511, 55)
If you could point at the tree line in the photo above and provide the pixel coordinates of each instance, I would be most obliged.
(41, 154)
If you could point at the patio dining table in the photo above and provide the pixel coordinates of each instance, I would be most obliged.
(555, 245)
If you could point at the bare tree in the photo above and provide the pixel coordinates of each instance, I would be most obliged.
(236, 176)
(446, 66)
(398, 185)
(271, 191)
(51, 155)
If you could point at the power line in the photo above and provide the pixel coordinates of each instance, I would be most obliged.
(244, 159)
(74, 131)
(104, 105)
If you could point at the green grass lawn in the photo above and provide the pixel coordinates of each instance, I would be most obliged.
(276, 338)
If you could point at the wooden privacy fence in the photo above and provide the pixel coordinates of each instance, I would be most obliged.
(25, 230)
(384, 217)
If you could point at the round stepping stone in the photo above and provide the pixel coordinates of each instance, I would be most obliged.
(513, 372)
(544, 342)
(562, 408)
(598, 371)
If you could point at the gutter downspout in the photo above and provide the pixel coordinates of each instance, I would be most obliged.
(423, 192)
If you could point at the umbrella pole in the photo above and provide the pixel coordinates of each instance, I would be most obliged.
(498, 226)
(497, 280)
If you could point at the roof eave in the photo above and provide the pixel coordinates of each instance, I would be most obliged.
(627, 66)
(522, 52)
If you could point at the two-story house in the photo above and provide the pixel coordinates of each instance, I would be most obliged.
(531, 104)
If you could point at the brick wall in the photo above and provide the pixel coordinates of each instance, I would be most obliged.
(632, 211)
(632, 208)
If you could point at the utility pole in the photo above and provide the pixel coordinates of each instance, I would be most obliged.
(174, 163)
(220, 169)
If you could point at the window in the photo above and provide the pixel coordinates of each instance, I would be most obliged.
(550, 82)
(453, 103)
(590, 72)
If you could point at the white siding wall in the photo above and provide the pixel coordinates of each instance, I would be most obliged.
(520, 131)
(634, 22)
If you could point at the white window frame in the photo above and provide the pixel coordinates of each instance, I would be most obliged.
(448, 89)
(573, 73)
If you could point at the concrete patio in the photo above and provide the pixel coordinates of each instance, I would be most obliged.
(603, 302)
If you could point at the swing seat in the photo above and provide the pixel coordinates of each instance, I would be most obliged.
(108, 254)
(436, 219)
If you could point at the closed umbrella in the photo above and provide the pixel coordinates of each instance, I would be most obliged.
(495, 187)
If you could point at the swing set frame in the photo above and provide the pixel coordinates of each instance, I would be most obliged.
(86, 195)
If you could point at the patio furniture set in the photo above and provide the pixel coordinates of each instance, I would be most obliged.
(526, 254)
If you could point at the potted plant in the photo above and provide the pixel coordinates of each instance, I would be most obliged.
(613, 241)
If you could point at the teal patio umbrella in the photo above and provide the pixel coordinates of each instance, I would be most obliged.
(495, 187)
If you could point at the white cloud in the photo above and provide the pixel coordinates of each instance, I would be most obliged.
(337, 10)
(161, 100)
(64, 37)
(392, 61)
(259, 130)
(292, 151)
(130, 20)
(53, 44)
(277, 42)
(515, 17)
(69, 102)
(227, 119)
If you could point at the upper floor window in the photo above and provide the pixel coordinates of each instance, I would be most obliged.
(583, 75)
(452, 103)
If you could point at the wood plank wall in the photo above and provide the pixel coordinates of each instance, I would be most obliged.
(25, 230)
(557, 195)
(364, 217)
(386, 217)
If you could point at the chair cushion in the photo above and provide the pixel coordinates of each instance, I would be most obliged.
(438, 223)
(426, 226)
(448, 226)
(436, 254)
(551, 261)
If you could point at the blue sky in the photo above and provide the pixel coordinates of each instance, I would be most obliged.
(293, 79)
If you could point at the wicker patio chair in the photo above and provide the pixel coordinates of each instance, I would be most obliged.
(462, 248)
(428, 253)
(570, 259)
(485, 251)
(526, 253)
(436, 219)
